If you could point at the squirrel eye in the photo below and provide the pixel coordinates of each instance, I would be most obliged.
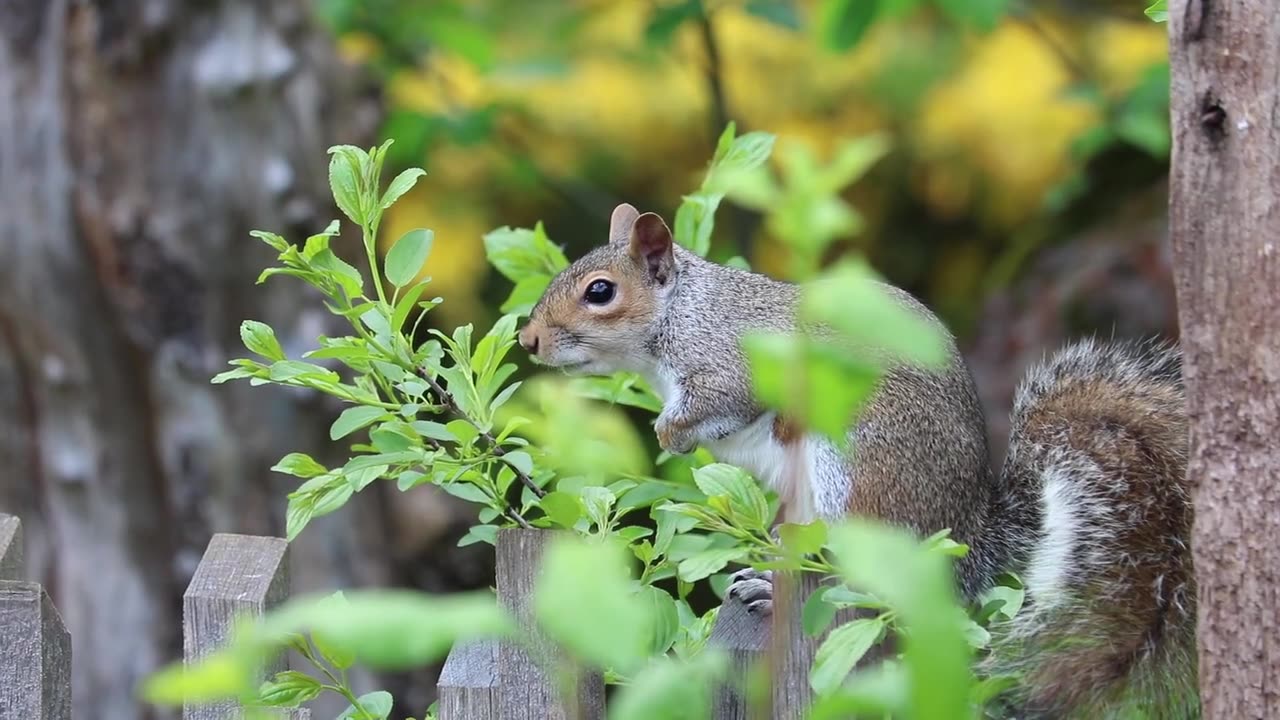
(599, 292)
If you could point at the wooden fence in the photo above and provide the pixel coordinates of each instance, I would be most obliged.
(248, 575)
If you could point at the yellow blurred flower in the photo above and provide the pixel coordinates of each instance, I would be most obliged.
(1005, 112)
(1121, 51)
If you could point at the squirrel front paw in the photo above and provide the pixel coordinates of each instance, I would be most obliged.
(674, 437)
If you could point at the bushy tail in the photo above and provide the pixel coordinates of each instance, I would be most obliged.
(1099, 446)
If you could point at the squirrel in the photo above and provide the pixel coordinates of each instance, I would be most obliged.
(1092, 508)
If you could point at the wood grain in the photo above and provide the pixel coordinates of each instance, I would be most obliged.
(468, 686)
(239, 576)
(35, 663)
(1225, 232)
(525, 692)
(11, 560)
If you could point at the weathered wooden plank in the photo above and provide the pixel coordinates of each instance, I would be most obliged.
(772, 650)
(35, 655)
(524, 691)
(11, 563)
(239, 575)
(468, 686)
(745, 637)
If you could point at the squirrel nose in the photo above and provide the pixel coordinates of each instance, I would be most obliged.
(528, 338)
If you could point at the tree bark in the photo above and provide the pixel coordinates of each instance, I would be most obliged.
(1225, 226)
(140, 141)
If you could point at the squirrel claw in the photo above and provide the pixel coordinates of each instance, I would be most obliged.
(753, 588)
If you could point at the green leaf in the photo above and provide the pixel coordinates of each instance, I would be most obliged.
(704, 563)
(826, 396)
(745, 154)
(941, 542)
(598, 502)
(564, 509)
(882, 691)
(619, 389)
(1008, 599)
(480, 533)
(883, 323)
(389, 441)
(751, 509)
(520, 253)
(984, 15)
(406, 257)
(261, 339)
(338, 657)
(297, 515)
(467, 491)
(344, 173)
(434, 430)
(525, 294)
(402, 184)
(354, 418)
(289, 689)
(235, 374)
(669, 688)
(520, 460)
(1158, 11)
(373, 706)
(224, 674)
(842, 23)
(272, 239)
(842, 649)
(584, 600)
(297, 370)
(918, 584)
(463, 430)
(666, 625)
(576, 436)
(645, 494)
(817, 613)
(299, 465)
(405, 305)
(391, 629)
(805, 539)
(342, 273)
(666, 19)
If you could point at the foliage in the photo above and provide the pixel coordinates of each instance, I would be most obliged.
(444, 410)
(1009, 133)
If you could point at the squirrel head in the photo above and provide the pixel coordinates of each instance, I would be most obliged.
(598, 314)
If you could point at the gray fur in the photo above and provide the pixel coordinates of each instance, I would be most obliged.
(1091, 506)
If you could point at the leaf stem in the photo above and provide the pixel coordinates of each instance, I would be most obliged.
(370, 248)
(444, 397)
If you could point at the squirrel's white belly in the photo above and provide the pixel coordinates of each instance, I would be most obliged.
(788, 470)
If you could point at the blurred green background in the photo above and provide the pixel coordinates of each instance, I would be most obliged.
(1023, 198)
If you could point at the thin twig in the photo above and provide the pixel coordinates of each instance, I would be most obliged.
(511, 514)
(497, 450)
(720, 116)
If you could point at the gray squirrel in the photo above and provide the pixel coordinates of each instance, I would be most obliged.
(1092, 509)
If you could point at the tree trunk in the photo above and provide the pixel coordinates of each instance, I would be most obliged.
(1225, 200)
(139, 142)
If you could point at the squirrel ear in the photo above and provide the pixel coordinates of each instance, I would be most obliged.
(624, 216)
(651, 247)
